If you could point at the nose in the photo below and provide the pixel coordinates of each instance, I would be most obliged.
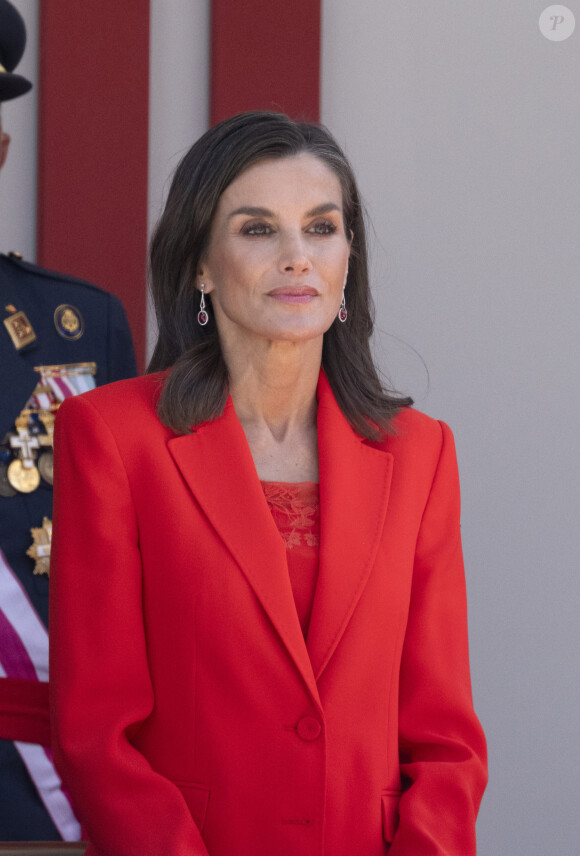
(294, 256)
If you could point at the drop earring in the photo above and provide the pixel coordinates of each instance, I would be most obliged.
(342, 313)
(202, 316)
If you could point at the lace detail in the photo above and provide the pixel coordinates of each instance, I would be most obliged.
(295, 508)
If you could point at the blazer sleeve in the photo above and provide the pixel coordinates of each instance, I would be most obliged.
(100, 686)
(442, 750)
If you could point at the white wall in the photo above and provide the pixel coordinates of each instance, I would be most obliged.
(179, 97)
(463, 123)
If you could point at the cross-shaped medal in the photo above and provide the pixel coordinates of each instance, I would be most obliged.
(25, 442)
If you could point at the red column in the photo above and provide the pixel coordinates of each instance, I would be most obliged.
(93, 146)
(265, 55)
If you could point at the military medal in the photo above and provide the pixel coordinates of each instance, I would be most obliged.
(45, 465)
(47, 418)
(30, 446)
(60, 382)
(40, 549)
(23, 479)
(19, 329)
(69, 322)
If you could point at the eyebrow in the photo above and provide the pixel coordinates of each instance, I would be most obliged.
(256, 211)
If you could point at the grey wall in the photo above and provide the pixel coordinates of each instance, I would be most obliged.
(463, 122)
(178, 98)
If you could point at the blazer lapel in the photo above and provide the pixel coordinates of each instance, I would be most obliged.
(355, 481)
(217, 464)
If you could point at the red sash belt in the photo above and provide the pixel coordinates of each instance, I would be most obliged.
(24, 711)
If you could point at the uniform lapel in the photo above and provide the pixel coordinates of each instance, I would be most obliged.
(355, 481)
(217, 464)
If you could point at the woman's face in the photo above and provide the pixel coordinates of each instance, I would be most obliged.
(278, 254)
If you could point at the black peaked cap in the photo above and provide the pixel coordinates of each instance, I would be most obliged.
(12, 43)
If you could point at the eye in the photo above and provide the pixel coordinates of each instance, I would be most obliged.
(257, 229)
(322, 227)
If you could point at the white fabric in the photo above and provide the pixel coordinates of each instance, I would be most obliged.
(16, 606)
(49, 786)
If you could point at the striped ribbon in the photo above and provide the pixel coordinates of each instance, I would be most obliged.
(23, 636)
(60, 382)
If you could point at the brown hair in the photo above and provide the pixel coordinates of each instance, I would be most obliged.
(197, 387)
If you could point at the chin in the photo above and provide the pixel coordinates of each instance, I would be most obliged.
(298, 333)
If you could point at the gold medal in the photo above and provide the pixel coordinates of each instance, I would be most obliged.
(23, 479)
(40, 549)
(69, 322)
(20, 330)
(47, 418)
(45, 465)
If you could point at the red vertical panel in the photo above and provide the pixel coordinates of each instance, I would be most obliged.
(265, 56)
(93, 146)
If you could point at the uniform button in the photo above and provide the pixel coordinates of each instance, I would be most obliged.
(14, 255)
(308, 728)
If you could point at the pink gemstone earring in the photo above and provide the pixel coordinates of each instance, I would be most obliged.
(202, 316)
(342, 313)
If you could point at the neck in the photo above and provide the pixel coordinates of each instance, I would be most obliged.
(277, 386)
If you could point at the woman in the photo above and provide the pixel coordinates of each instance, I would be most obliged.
(259, 632)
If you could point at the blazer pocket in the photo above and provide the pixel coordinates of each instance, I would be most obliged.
(390, 804)
(197, 798)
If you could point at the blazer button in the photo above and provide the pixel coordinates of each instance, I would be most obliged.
(308, 728)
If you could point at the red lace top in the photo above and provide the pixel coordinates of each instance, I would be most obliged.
(295, 508)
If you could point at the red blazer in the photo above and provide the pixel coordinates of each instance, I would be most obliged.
(189, 714)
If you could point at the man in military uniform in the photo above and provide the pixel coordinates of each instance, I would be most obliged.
(59, 336)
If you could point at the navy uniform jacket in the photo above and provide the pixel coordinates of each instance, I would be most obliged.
(105, 340)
